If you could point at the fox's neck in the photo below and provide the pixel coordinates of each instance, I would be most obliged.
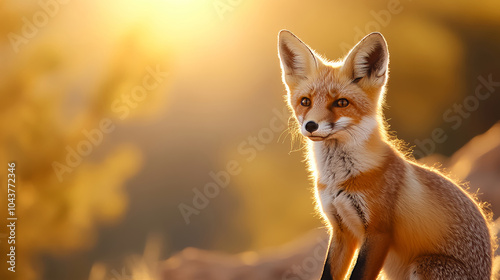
(336, 162)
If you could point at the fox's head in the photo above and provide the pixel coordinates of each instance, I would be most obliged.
(335, 100)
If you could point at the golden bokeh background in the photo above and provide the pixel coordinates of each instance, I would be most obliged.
(178, 89)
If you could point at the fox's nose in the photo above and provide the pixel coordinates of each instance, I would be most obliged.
(311, 126)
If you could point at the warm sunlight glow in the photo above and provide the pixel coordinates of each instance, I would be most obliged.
(171, 19)
(166, 123)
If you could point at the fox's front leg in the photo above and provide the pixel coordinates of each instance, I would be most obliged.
(371, 257)
(339, 256)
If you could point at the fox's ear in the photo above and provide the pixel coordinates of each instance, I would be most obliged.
(298, 62)
(368, 61)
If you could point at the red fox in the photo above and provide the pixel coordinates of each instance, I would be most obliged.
(401, 220)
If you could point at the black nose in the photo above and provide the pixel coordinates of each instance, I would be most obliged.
(311, 126)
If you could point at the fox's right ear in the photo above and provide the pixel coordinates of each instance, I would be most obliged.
(298, 62)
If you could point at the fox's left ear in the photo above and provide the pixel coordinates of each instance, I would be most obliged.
(368, 61)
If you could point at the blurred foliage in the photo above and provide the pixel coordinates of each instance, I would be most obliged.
(56, 86)
(224, 82)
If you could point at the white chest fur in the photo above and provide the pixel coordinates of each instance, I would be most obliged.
(346, 210)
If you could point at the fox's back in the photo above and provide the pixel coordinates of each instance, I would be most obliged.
(434, 216)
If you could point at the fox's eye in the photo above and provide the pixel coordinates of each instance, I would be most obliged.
(356, 80)
(306, 102)
(342, 102)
